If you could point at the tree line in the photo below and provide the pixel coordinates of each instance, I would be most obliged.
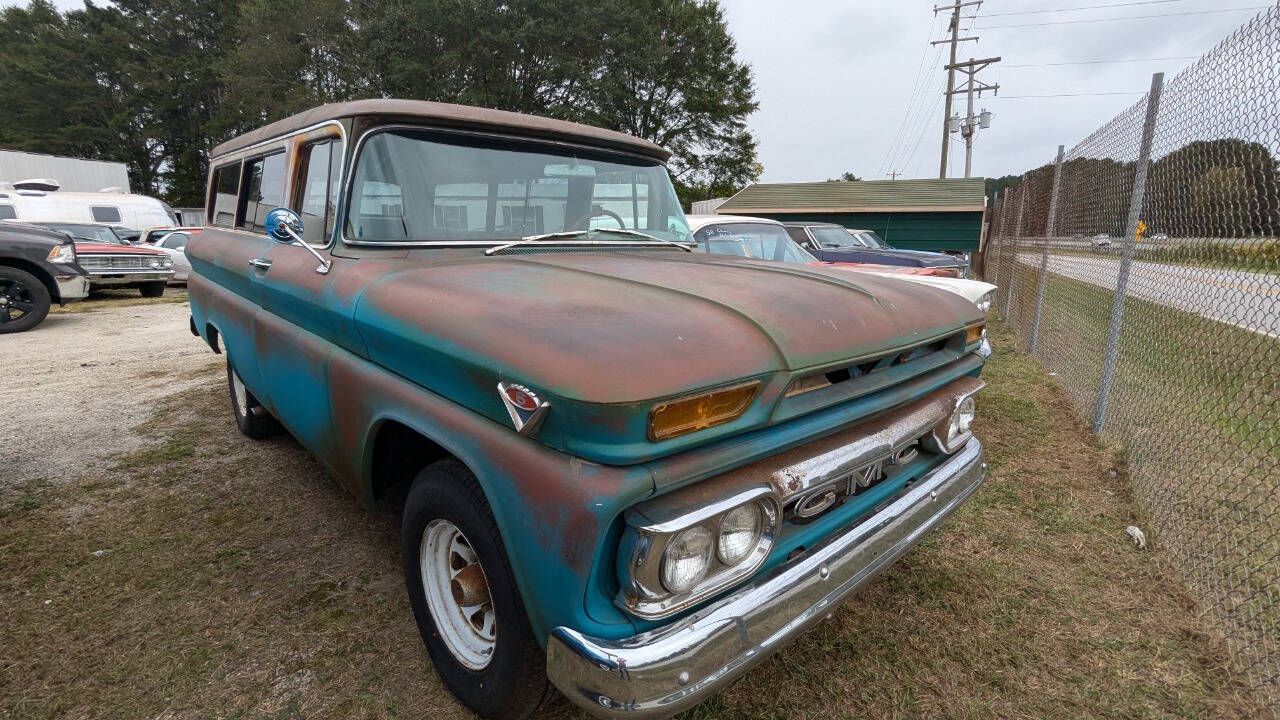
(157, 83)
(1206, 188)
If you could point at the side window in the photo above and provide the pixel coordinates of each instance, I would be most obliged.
(7, 212)
(318, 189)
(261, 190)
(105, 213)
(797, 234)
(175, 241)
(222, 200)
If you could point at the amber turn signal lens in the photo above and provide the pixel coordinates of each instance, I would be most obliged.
(677, 417)
(973, 334)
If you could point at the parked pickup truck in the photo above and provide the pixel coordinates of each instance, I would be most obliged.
(633, 471)
(37, 268)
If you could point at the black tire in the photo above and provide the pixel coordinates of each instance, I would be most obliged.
(24, 300)
(514, 684)
(252, 419)
(152, 289)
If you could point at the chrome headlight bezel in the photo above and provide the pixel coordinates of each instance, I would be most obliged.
(951, 434)
(643, 590)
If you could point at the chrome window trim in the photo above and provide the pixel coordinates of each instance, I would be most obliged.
(245, 154)
(344, 199)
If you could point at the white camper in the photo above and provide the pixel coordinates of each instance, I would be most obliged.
(40, 201)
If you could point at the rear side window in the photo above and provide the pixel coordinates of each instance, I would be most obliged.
(797, 234)
(261, 190)
(174, 241)
(318, 190)
(222, 196)
(105, 213)
(8, 213)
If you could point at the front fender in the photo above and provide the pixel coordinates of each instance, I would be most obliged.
(553, 510)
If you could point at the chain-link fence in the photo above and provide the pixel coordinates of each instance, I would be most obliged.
(1142, 268)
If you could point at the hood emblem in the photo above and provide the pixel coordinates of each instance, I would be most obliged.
(524, 406)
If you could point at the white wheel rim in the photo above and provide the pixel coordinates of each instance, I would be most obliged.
(469, 631)
(241, 395)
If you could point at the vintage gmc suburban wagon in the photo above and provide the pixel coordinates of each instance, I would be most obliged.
(633, 471)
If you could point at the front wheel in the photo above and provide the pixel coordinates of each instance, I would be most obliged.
(152, 289)
(465, 599)
(24, 300)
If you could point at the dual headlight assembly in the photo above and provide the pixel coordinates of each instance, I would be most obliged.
(672, 562)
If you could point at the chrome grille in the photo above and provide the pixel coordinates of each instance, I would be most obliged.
(116, 262)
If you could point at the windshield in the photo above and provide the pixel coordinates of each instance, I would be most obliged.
(413, 185)
(870, 239)
(96, 233)
(754, 240)
(832, 236)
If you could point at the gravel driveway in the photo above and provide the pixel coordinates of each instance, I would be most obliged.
(79, 381)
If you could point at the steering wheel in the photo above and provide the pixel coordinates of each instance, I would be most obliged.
(582, 222)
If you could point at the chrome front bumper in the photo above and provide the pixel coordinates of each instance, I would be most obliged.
(72, 287)
(664, 671)
(128, 277)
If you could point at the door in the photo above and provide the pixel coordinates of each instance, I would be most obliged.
(303, 321)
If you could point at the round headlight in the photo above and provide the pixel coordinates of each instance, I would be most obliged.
(155, 262)
(739, 533)
(167, 262)
(961, 420)
(686, 559)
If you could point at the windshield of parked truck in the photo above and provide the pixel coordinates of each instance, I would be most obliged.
(417, 185)
(832, 236)
(754, 240)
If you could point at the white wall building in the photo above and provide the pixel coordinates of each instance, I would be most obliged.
(73, 174)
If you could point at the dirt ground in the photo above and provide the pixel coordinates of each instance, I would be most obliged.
(82, 380)
(169, 568)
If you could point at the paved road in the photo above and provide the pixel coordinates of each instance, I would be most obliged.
(74, 386)
(1245, 299)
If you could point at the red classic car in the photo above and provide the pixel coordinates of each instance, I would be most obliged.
(114, 262)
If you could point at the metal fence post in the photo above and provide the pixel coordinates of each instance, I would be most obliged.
(1049, 229)
(1130, 241)
(1013, 265)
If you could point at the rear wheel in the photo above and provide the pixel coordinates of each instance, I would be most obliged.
(24, 300)
(465, 599)
(252, 419)
(152, 289)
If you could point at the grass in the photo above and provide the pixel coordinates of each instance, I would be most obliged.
(207, 575)
(124, 297)
(1196, 404)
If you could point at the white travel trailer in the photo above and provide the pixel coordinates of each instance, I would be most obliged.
(40, 201)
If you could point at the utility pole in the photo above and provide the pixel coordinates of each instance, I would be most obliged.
(893, 174)
(951, 73)
(970, 125)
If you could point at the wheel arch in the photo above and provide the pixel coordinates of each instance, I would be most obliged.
(37, 272)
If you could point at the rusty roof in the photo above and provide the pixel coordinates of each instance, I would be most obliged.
(945, 195)
(448, 115)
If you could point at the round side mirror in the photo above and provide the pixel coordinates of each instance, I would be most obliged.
(284, 225)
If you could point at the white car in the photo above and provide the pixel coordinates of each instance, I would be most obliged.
(174, 245)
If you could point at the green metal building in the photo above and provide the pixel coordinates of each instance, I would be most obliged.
(911, 214)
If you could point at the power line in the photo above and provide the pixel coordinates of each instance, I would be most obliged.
(1098, 62)
(916, 87)
(1119, 92)
(1084, 7)
(1127, 17)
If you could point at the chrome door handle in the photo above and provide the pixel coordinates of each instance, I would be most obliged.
(260, 263)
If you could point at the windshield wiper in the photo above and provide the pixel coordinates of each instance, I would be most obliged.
(528, 239)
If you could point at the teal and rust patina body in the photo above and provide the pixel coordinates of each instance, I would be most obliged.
(668, 444)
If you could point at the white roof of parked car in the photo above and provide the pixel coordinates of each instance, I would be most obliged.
(697, 222)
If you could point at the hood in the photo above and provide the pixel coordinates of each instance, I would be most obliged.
(971, 290)
(96, 248)
(914, 257)
(604, 335)
(881, 269)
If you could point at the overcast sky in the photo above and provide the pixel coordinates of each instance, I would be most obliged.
(835, 79)
(853, 85)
